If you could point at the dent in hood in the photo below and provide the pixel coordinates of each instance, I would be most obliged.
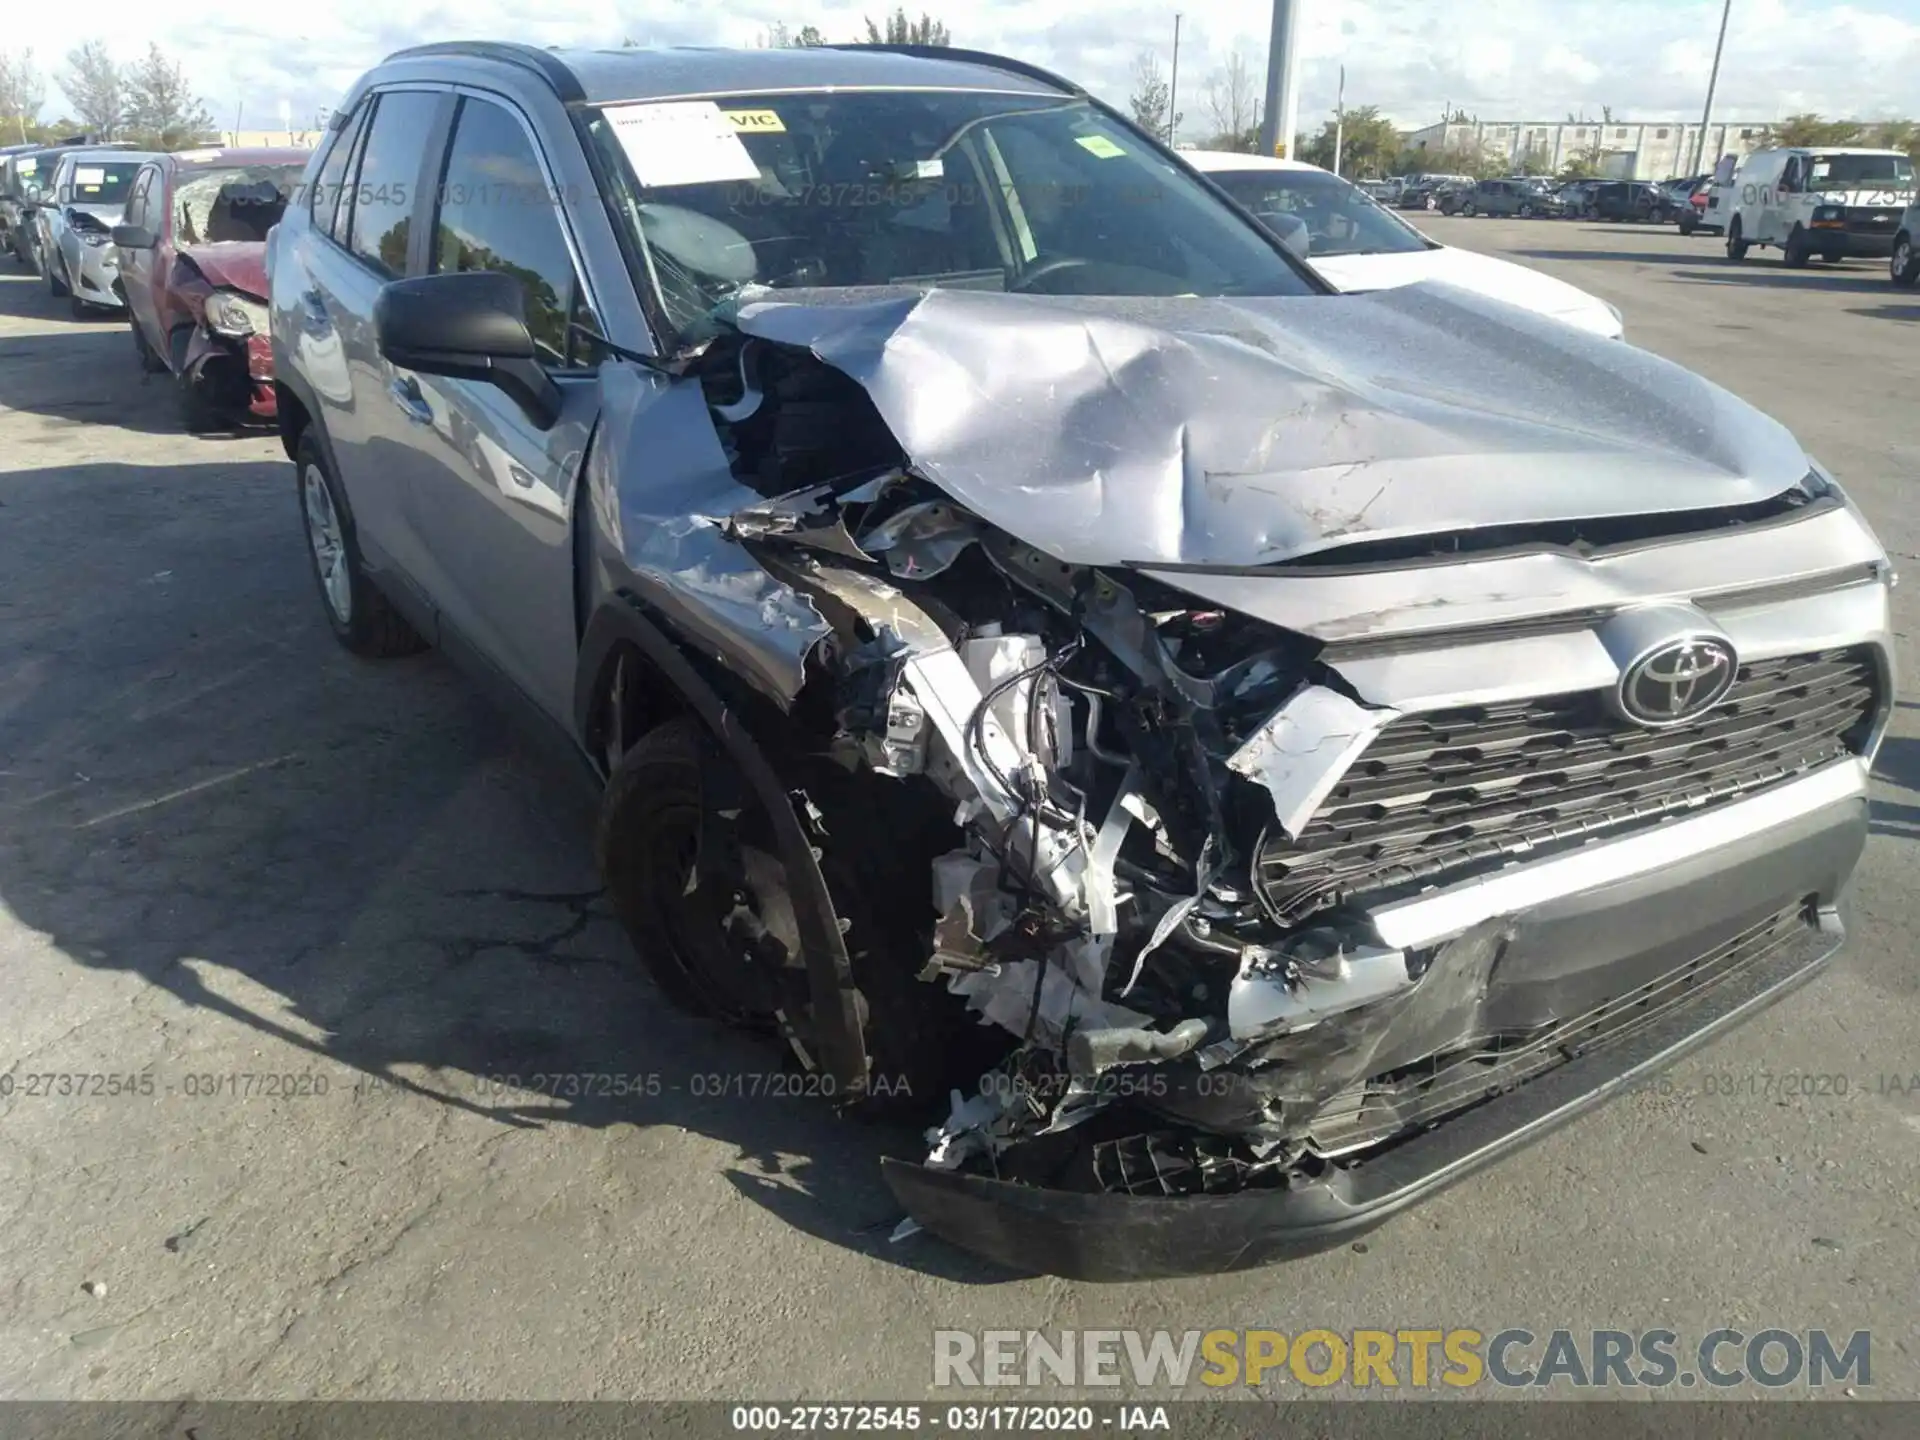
(232, 264)
(1247, 432)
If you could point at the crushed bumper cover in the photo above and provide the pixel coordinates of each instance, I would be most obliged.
(1774, 925)
(235, 375)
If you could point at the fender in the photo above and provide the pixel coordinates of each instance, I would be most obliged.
(622, 619)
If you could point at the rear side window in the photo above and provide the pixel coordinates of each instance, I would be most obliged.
(385, 189)
(496, 213)
(328, 199)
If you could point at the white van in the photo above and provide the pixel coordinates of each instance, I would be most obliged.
(1827, 200)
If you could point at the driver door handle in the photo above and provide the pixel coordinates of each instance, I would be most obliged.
(405, 391)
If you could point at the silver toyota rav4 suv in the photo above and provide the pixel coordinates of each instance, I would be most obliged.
(1234, 756)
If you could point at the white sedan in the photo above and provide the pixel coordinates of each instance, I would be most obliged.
(1359, 245)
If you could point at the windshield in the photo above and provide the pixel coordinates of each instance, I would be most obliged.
(1341, 219)
(1849, 172)
(937, 188)
(102, 183)
(232, 203)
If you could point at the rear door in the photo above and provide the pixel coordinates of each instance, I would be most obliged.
(490, 494)
(373, 234)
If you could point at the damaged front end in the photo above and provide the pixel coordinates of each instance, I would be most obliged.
(1251, 912)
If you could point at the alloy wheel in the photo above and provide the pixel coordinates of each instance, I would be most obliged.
(329, 547)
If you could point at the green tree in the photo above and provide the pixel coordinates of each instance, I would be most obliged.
(22, 93)
(163, 113)
(1810, 129)
(1151, 96)
(809, 37)
(1369, 144)
(1896, 135)
(97, 89)
(899, 30)
(1584, 163)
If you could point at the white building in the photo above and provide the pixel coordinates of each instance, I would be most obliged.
(1656, 150)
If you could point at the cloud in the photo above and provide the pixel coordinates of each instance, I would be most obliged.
(1522, 59)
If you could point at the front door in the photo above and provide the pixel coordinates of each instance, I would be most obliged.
(490, 492)
(137, 268)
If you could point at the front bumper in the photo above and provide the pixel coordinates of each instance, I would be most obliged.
(1656, 925)
(235, 376)
(94, 276)
(1851, 244)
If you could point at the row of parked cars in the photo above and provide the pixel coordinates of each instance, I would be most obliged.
(1533, 196)
(1056, 665)
(175, 242)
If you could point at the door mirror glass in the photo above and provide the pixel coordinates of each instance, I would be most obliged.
(133, 237)
(468, 325)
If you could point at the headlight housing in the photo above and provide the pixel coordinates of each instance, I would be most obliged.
(1827, 214)
(230, 313)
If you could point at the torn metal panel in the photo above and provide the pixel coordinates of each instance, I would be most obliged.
(662, 492)
(1301, 753)
(1209, 432)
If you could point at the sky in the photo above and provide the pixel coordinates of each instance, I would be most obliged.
(1515, 59)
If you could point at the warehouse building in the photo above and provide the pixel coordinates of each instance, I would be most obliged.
(1657, 150)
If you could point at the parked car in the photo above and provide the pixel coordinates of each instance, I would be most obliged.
(87, 194)
(1576, 197)
(1827, 201)
(1495, 197)
(1904, 264)
(1700, 212)
(192, 255)
(1360, 246)
(1424, 192)
(1330, 740)
(21, 179)
(1629, 200)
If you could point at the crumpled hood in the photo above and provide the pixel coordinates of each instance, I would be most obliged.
(1245, 432)
(232, 264)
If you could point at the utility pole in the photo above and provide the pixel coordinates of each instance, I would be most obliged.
(1713, 79)
(1277, 123)
(1173, 86)
(1339, 119)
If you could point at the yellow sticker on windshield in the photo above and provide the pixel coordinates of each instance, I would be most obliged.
(1099, 145)
(757, 122)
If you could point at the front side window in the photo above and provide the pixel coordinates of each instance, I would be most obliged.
(385, 189)
(1341, 219)
(137, 199)
(1024, 193)
(230, 202)
(496, 213)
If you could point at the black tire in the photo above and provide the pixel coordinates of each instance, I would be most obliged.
(151, 363)
(197, 417)
(1688, 225)
(56, 283)
(1794, 254)
(1737, 245)
(364, 621)
(1904, 266)
(876, 843)
(1526, 212)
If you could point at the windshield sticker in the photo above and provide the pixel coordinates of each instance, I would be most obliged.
(1099, 145)
(681, 142)
(756, 122)
(89, 174)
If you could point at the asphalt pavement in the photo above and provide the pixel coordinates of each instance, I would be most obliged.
(324, 907)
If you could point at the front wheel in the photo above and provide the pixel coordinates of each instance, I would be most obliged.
(1736, 241)
(1469, 209)
(1687, 226)
(1794, 254)
(56, 284)
(1904, 268)
(1526, 212)
(362, 619)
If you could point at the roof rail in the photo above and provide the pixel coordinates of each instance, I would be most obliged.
(544, 63)
(970, 57)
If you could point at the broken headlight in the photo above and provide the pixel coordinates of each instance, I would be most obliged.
(232, 314)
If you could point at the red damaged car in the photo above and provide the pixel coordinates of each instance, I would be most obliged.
(193, 253)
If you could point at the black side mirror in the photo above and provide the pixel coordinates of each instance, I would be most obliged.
(133, 237)
(471, 325)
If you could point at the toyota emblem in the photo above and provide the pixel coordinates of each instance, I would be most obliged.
(1678, 681)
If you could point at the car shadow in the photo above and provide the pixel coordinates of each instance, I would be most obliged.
(1828, 278)
(83, 371)
(1888, 312)
(1635, 257)
(359, 861)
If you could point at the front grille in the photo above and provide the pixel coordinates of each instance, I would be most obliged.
(1387, 1105)
(1871, 220)
(1450, 792)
